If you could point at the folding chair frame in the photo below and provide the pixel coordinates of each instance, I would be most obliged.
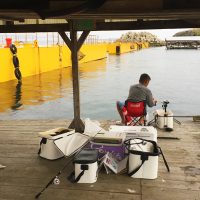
(136, 120)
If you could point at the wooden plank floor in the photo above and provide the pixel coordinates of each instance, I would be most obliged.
(26, 173)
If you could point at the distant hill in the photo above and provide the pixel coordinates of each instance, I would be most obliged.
(193, 32)
(141, 37)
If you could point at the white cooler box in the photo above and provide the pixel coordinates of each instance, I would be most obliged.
(47, 148)
(86, 166)
(145, 132)
(143, 158)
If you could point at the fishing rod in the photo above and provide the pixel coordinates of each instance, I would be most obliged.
(178, 116)
(55, 180)
(164, 106)
(183, 116)
(167, 115)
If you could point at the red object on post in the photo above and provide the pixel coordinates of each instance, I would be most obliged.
(8, 42)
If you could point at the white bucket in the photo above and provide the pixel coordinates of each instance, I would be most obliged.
(86, 160)
(163, 119)
(149, 169)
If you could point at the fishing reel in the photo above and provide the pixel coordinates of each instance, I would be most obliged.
(164, 105)
(56, 181)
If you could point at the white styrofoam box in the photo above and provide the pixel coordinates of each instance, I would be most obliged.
(149, 170)
(48, 149)
(145, 132)
(163, 119)
(87, 159)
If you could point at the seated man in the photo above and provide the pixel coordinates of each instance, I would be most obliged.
(138, 92)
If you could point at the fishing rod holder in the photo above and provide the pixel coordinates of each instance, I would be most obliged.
(163, 118)
(164, 105)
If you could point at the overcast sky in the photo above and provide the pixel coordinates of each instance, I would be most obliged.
(161, 33)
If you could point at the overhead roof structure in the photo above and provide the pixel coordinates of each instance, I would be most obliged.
(100, 9)
(105, 14)
(90, 15)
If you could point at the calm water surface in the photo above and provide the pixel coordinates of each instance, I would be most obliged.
(175, 76)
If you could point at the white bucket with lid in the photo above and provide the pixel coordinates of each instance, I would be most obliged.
(86, 166)
(163, 119)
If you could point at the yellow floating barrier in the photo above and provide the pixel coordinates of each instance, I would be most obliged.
(35, 60)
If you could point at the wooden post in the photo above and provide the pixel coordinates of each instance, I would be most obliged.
(74, 45)
(77, 122)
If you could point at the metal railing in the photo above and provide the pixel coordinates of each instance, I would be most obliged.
(46, 39)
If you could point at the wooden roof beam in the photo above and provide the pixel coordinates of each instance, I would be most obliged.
(141, 25)
(103, 26)
(30, 28)
(82, 39)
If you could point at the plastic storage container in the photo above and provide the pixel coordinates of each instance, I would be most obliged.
(143, 150)
(86, 161)
(163, 119)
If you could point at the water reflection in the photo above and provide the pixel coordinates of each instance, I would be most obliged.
(17, 102)
(49, 86)
(34, 90)
(92, 69)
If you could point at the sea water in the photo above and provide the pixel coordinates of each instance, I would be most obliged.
(175, 76)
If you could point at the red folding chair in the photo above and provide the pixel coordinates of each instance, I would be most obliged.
(134, 113)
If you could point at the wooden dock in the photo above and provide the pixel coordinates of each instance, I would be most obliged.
(26, 173)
